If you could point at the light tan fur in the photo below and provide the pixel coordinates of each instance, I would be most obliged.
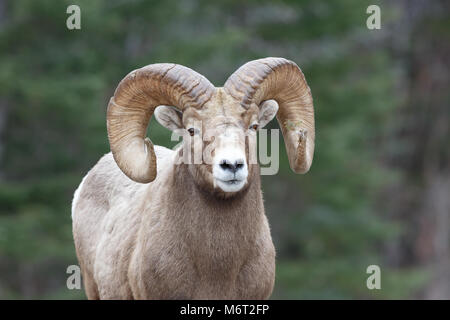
(147, 225)
(177, 237)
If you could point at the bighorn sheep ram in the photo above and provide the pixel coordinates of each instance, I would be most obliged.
(147, 225)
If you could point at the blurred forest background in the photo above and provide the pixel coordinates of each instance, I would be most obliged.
(379, 188)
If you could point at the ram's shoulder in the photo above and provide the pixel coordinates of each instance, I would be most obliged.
(163, 152)
(106, 167)
(106, 177)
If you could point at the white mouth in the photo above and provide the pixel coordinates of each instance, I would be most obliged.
(233, 181)
(229, 179)
(232, 185)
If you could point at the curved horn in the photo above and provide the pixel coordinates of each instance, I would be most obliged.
(283, 81)
(133, 103)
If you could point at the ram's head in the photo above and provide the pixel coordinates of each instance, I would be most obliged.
(218, 121)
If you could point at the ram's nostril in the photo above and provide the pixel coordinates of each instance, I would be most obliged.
(225, 165)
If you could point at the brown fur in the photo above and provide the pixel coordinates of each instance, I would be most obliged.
(178, 237)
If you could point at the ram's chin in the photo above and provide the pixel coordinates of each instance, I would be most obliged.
(230, 185)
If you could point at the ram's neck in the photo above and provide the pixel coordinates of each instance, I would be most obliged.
(245, 205)
(214, 226)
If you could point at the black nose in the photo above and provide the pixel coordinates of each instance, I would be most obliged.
(233, 167)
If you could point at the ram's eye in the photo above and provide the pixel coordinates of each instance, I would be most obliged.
(191, 131)
(254, 127)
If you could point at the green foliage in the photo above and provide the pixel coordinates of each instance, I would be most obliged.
(55, 85)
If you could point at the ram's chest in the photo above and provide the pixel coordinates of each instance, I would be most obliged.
(202, 264)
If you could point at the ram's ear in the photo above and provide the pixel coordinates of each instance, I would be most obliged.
(267, 111)
(169, 117)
